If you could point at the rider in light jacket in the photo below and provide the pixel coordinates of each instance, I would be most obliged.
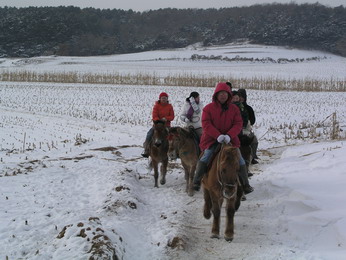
(192, 113)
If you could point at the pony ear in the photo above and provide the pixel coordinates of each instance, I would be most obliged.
(180, 131)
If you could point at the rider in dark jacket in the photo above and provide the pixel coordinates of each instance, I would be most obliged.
(250, 111)
(252, 118)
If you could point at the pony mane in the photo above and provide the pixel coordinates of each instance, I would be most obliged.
(180, 130)
(173, 130)
(231, 153)
(159, 122)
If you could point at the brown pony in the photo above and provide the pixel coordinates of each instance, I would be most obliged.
(182, 143)
(221, 183)
(158, 151)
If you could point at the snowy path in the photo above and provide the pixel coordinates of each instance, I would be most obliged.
(257, 231)
(97, 198)
(116, 188)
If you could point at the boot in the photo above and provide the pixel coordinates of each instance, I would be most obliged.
(244, 179)
(254, 161)
(145, 152)
(247, 189)
(201, 169)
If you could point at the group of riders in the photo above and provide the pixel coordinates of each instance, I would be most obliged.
(227, 119)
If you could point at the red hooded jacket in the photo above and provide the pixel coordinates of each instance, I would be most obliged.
(217, 121)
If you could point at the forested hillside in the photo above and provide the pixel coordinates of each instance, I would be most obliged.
(34, 31)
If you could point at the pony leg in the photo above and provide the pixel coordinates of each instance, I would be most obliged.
(216, 209)
(230, 210)
(186, 174)
(189, 173)
(163, 170)
(207, 204)
(156, 172)
(239, 196)
(189, 182)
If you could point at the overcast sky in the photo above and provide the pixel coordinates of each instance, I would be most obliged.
(142, 5)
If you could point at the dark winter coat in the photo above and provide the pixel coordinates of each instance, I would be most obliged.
(250, 111)
(243, 112)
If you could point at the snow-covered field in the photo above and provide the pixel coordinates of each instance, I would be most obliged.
(73, 184)
(232, 60)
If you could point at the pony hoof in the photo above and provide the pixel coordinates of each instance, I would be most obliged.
(163, 182)
(207, 215)
(215, 236)
(229, 239)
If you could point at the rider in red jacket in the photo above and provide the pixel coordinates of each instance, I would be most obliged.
(218, 118)
(162, 111)
(221, 123)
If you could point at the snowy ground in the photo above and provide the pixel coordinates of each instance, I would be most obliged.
(73, 184)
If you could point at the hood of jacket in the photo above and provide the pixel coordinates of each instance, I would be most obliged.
(242, 92)
(222, 86)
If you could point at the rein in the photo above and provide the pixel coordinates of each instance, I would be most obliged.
(219, 177)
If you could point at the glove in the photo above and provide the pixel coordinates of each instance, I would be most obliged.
(186, 120)
(163, 119)
(227, 139)
(192, 99)
(221, 138)
(224, 139)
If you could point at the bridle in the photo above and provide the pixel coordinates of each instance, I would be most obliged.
(178, 144)
(219, 178)
(162, 132)
(173, 144)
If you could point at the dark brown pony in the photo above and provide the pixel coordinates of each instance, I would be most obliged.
(245, 147)
(222, 183)
(158, 151)
(182, 143)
